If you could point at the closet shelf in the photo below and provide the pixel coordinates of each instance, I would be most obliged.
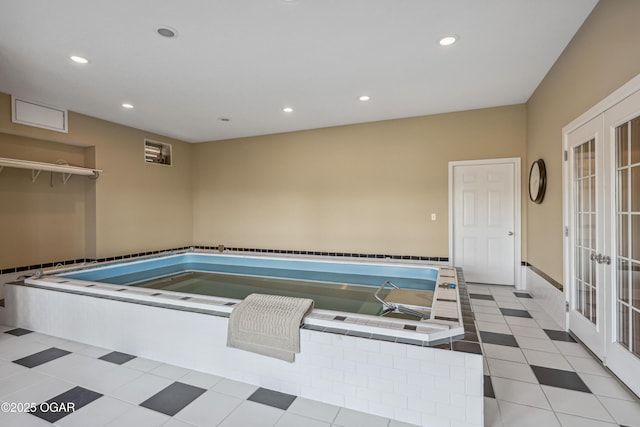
(37, 167)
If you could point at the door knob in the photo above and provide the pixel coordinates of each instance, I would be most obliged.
(600, 259)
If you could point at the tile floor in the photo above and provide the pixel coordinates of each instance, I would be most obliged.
(538, 375)
(91, 386)
(535, 375)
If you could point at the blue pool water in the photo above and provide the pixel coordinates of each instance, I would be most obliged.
(130, 273)
(338, 286)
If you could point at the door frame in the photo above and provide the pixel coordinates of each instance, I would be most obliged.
(517, 211)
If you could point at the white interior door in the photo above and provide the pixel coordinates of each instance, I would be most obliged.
(586, 223)
(622, 127)
(484, 210)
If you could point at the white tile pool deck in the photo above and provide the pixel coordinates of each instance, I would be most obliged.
(534, 376)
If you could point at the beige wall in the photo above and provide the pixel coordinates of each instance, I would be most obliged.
(133, 207)
(366, 188)
(41, 217)
(602, 56)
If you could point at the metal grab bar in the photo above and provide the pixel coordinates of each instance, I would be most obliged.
(395, 307)
(383, 302)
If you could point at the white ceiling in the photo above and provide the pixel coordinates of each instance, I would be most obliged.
(247, 59)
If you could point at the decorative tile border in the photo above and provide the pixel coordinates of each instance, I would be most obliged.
(331, 254)
(221, 249)
(88, 260)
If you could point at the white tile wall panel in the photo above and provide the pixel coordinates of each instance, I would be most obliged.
(550, 298)
(420, 385)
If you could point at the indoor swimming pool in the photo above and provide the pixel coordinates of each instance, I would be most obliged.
(339, 286)
(147, 306)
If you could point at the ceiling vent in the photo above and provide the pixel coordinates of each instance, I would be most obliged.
(38, 115)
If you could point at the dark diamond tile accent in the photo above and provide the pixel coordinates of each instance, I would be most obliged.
(117, 357)
(471, 336)
(441, 342)
(499, 339)
(448, 319)
(173, 398)
(522, 295)
(18, 332)
(41, 357)
(272, 398)
(559, 378)
(470, 327)
(341, 318)
(443, 346)
(481, 296)
(559, 335)
(515, 313)
(488, 387)
(79, 396)
(410, 327)
(466, 347)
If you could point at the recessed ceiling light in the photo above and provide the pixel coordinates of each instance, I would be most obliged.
(79, 59)
(167, 32)
(287, 110)
(127, 106)
(364, 98)
(448, 40)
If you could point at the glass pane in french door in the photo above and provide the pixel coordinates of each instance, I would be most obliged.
(584, 184)
(628, 235)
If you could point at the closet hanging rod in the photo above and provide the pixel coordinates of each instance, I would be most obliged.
(48, 167)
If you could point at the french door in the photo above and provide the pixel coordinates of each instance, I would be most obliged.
(622, 126)
(589, 247)
(603, 189)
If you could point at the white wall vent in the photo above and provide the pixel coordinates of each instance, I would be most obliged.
(38, 115)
